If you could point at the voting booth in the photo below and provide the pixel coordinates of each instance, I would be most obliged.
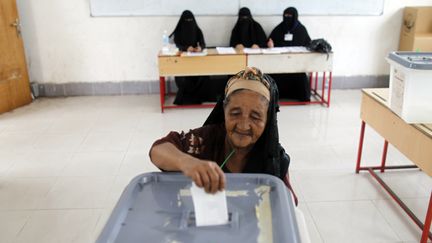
(411, 85)
(157, 207)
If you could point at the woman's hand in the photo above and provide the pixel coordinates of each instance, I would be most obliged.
(197, 49)
(270, 43)
(255, 46)
(190, 49)
(239, 47)
(205, 174)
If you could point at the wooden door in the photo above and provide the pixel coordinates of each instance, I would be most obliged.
(14, 81)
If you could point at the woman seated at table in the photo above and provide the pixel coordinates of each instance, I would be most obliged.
(247, 32)
(189, 37)
(290, 32)
(240, 135)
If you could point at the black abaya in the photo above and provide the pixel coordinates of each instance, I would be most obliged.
(191, 89)
(247, 31)
(294, 85)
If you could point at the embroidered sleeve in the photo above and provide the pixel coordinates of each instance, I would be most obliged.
(191, 142)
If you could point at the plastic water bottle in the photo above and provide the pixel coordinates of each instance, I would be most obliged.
(165, 42)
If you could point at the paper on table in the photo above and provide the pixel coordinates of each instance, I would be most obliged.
(210, 209)
(251, 51)
(194, 54)
(225, 50)
(296, 49)
(274, 50)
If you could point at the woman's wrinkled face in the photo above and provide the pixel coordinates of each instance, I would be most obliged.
(245, 118)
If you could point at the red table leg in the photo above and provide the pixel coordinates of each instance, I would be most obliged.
(323, 88)
(384, 156)
(162, 92)
(360, 148)
(310, 80)
(427, 222)
(329, 89)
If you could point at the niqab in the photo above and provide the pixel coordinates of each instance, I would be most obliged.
(247, 31)
(290, 25)
(290, 21)
(187, 33)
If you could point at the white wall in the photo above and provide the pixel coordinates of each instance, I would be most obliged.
(64, 44)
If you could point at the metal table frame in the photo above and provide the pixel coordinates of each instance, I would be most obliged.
(382, 168)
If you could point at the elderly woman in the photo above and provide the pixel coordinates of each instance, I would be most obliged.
(240, 135)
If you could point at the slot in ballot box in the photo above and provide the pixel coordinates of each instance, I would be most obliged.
(158, 207)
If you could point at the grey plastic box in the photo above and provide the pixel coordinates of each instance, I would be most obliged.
(410, 86)
(157, 207)
(413, 60)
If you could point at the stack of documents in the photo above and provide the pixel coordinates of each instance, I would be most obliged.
(194, 54)
(296, 49)
(274, 50)
(252, 51)
(225, 50)
(285, 49)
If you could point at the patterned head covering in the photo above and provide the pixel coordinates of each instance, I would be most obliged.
(251, 79)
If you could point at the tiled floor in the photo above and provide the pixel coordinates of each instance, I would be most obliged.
(64, 163)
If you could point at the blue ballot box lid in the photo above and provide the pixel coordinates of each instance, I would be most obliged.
(413, 60)
(157, 207)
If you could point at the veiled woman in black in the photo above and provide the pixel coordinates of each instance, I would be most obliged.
(242, 130)
(290, 32)
(189, 37)
(247, 32)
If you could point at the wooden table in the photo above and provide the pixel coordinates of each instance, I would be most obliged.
(413, 140)
(228, 64)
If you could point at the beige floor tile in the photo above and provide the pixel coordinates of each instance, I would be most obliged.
(11, 223)
(46, 226)
(24, 193)
(78, 193)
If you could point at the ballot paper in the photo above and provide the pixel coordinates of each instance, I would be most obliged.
(210, 209)
(225, 50)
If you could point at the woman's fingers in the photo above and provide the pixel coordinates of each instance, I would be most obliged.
(197, 179)
(205, 179)
(270, 43)
(206, 174)
(214, 177)
(222, 181)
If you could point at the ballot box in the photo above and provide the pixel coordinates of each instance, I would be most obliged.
(411, 86)
(158, 207)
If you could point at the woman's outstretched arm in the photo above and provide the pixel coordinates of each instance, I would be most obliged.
(204, 173)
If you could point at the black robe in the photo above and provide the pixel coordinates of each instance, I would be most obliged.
(247, 31)
(191, 89)
(294, 85)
